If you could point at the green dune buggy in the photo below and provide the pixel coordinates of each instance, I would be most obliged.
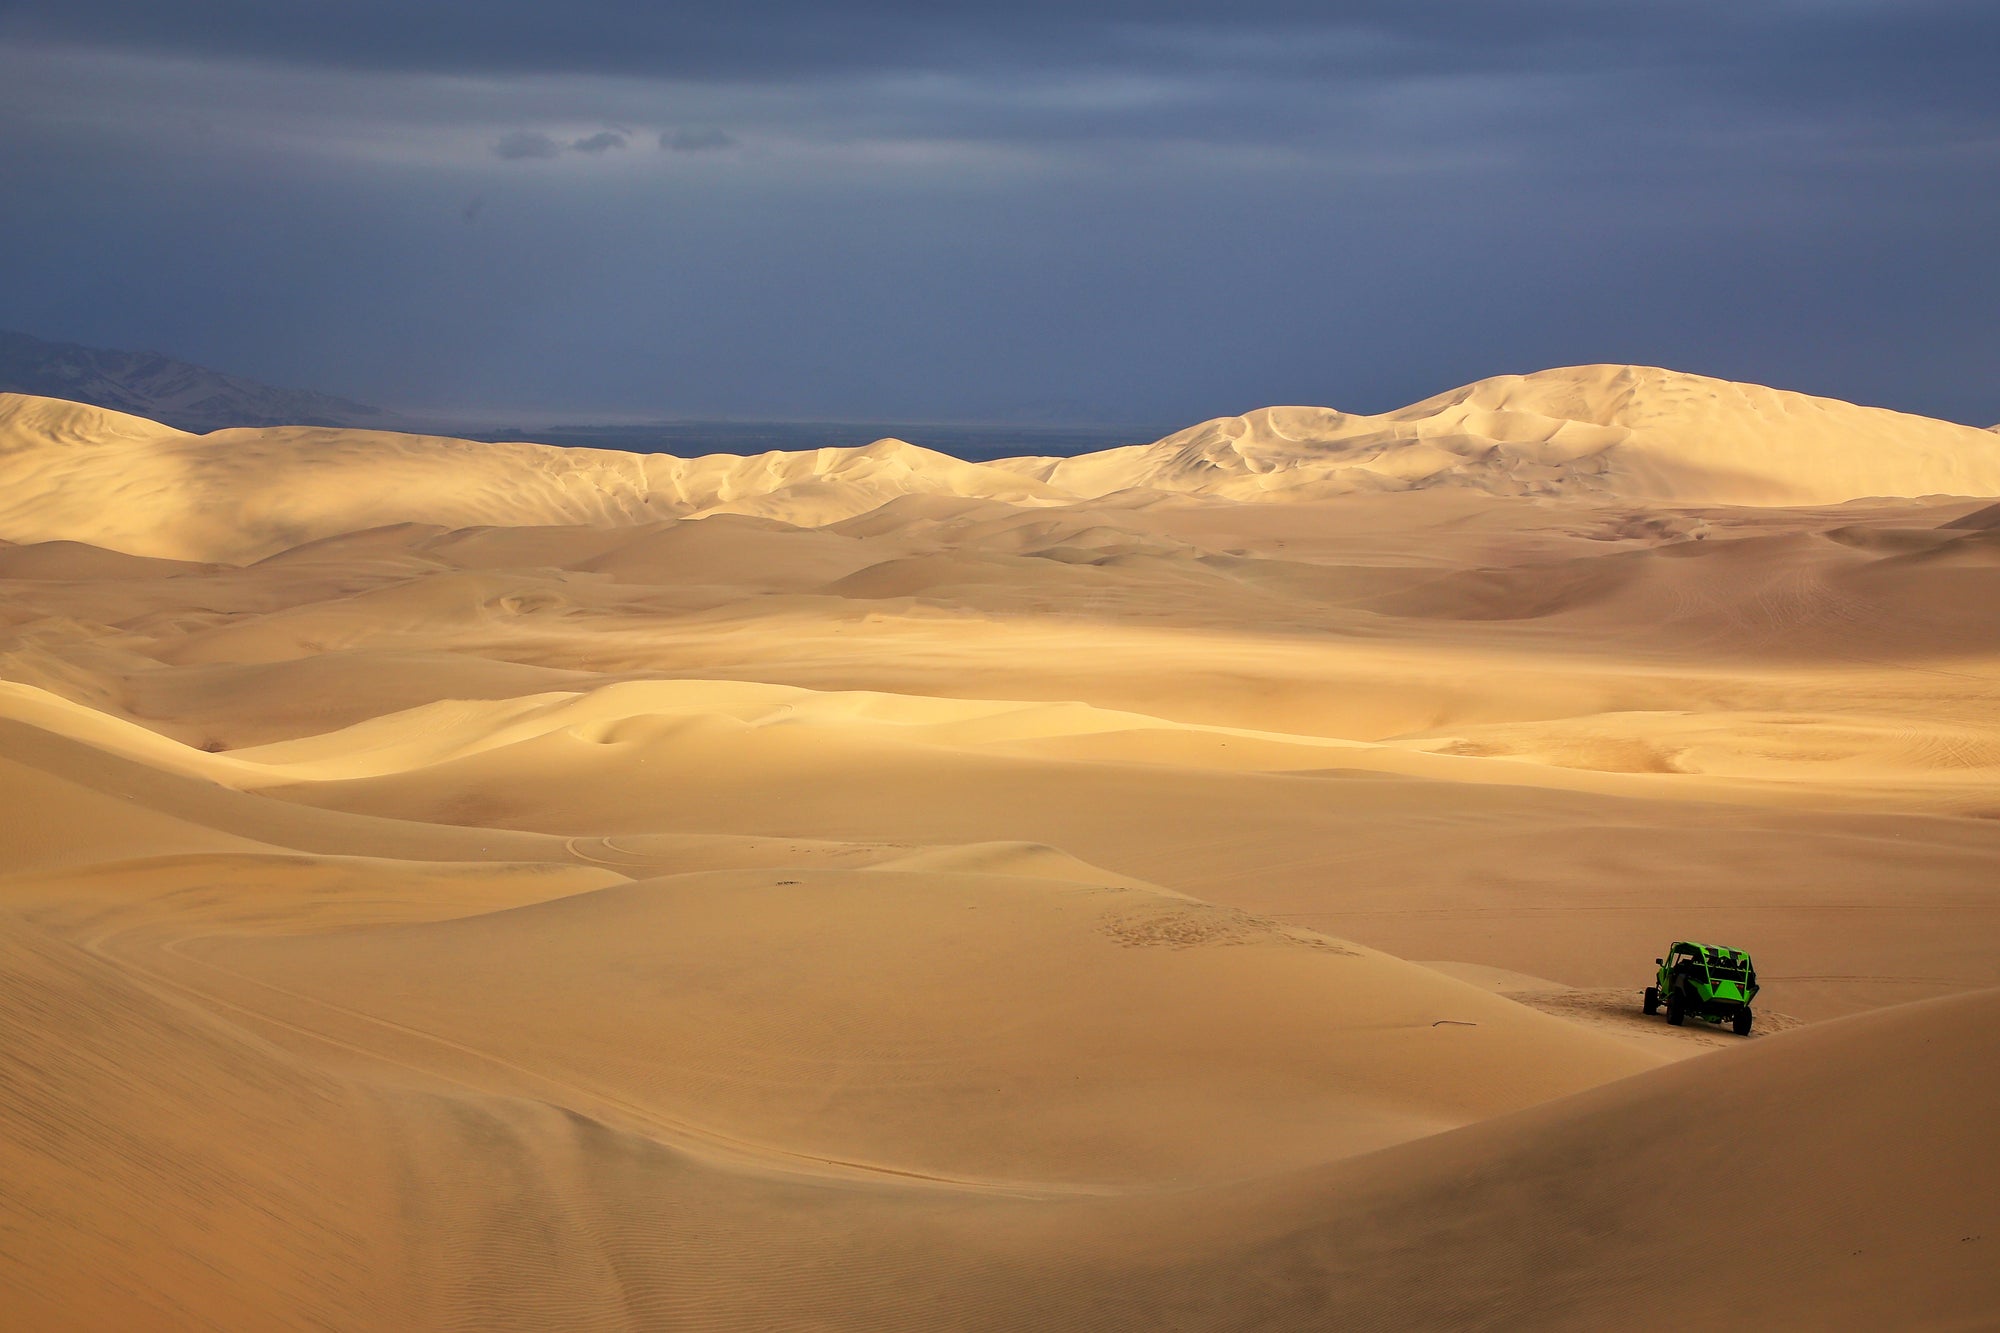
(1704, 981)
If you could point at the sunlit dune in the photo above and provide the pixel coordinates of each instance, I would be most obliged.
(1201, 885)
(82, 473)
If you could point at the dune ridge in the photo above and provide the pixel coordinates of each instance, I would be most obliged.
(87, 474)
(1633, 431)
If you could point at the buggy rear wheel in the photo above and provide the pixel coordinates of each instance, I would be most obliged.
(1741, 1022)
(1652, 999)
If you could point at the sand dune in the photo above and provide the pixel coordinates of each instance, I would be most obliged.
(1115, 1033)
(452, 885)
(85, 474)
(1657, 1192)
(1633, 431)
(241, 494)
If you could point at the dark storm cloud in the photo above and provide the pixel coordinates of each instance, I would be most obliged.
(525, 145)
(1271, 72)
(533, 146)
(1927, 47)
(786, 38)
(1153, 205)
(599, 142)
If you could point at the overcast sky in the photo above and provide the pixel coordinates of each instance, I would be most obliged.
(922, 209)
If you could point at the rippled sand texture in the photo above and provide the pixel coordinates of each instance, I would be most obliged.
(1204, 885)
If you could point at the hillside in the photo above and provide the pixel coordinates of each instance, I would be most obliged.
(1633, 432)
(186, 396)
(72, 472)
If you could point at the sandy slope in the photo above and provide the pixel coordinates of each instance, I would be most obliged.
(189, 1160)
(490, 886)
(1754, 1182)
(1619, 430)
(238, 494)
(82, 473)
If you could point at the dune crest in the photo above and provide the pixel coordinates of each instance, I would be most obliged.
(71, 472)
(1635, 432)
(84, 474)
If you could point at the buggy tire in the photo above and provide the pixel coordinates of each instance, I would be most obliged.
(1675, 1014)
(1741, 1022)
(1652, 1004)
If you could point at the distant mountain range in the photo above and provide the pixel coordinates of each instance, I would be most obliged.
(187, 397)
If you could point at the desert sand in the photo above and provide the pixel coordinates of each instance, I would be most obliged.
(1204, 885)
